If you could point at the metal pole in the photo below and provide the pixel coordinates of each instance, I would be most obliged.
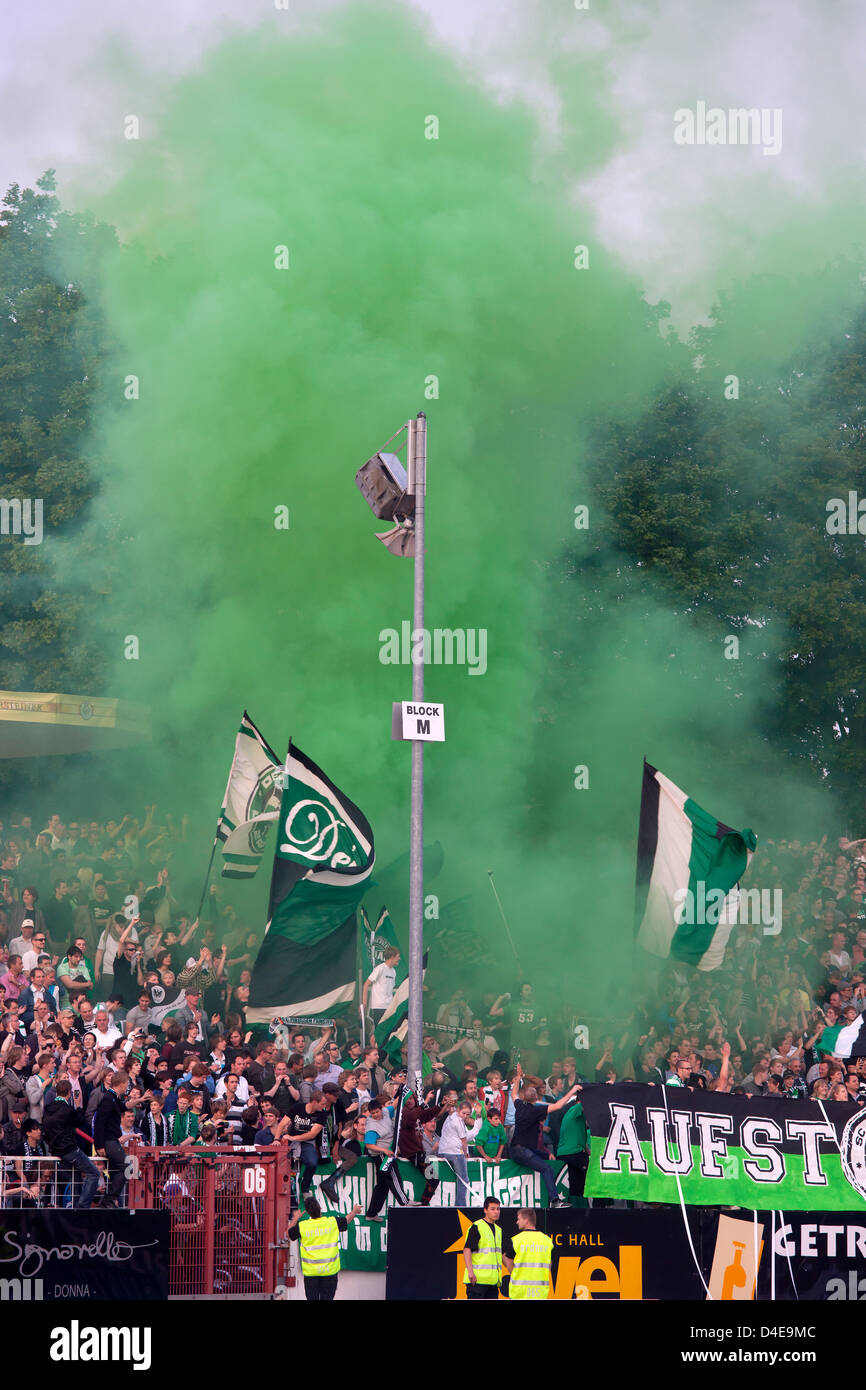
(502, 914)
(206, 881)
(417, 470)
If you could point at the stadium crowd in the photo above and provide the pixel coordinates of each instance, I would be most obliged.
(94, 947)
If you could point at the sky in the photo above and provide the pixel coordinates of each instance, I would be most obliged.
(679, 219)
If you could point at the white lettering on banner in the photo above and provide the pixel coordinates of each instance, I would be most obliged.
(749, 1133)
(321, 825)
(763, 1164)
(831, 1240)
(105, 1246)
(622, 1139)
(712, 1148)
(518, 1189)
(811, 1132)
(658, 1133)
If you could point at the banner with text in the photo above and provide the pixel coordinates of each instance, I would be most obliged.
(672, 1144)
(365, 1244)
(607, 1255)
(597, 1255)
(62, 1253)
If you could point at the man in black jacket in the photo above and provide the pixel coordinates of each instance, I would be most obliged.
(12, 1133)
(106, 1134)
(58, 1127)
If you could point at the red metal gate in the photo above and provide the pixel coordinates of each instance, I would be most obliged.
(229, 1209)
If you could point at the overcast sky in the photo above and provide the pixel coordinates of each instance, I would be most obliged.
(69, 74)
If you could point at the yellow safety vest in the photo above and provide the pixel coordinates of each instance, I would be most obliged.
(487, 1259)
(530, 1277)
(320, 1246)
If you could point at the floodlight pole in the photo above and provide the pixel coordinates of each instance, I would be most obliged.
(416, 468)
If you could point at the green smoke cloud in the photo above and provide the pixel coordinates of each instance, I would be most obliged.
(409, 258)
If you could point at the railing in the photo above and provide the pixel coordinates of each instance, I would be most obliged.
(230, 1210)
(229, 1207)
(47, 1182)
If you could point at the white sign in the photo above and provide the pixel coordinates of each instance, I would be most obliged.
(425, 721)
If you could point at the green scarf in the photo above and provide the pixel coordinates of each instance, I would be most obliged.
(183, 1125)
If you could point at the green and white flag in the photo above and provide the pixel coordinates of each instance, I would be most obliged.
(377, 940)
(688, 869)
(323, 860)
(250, 804)
(393, 1027)
(845, 1040)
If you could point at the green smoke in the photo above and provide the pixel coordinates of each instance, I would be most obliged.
(409, 258)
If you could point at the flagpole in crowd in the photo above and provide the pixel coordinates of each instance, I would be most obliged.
(207, 879)
(416, 467)
(502, 915)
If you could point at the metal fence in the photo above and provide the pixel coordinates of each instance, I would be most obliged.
(229, 1209)
(45, 1182)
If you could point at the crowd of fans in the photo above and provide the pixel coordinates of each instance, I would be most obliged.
(764, 1023)
(91, 937)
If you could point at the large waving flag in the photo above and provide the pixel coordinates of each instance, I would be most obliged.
(165, 1000)
(251, 794)
(688, 867)
(844, 1040)
(323, 859)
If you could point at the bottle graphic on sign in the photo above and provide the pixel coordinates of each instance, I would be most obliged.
(734, 1276)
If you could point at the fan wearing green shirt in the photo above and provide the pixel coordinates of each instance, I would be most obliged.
(573, 1148)
(491, 1139)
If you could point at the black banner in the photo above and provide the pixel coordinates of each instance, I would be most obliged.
(810, 1257)
(66, 1254)
(604, 1254)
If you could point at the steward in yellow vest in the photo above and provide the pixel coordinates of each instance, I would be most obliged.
(319, 1238)
(482, 1254)
(530, 1267)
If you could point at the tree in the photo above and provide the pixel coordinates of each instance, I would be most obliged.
(722, 508)
(52, 343)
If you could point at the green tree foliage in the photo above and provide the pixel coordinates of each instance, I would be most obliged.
(51, 345)
(720, 506)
